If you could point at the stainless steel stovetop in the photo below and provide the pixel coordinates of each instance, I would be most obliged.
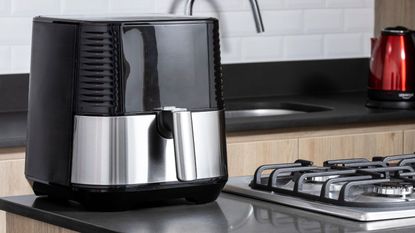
(358, 189)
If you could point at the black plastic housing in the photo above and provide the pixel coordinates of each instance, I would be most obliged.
(114, 67)
(134, 67)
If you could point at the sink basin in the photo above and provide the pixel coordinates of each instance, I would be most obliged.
(276, 110)
(260, 112)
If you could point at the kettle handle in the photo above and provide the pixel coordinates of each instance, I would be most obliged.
(179, 122)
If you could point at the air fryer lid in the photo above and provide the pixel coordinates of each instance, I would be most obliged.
(145, 18)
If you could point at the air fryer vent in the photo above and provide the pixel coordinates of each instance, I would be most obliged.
(217, 66)
(98, 70)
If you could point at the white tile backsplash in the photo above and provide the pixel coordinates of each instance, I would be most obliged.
(15, 30)
(92, 7)
(170, 6)
(366, 41)
(323, 21)
(302, 4)
(34, 7)
(343, 45)
(268, 4)
(5, 63)
(261, 48)
(5, 7)
(370, 3)
(345, 3)
(129, 6)
(286, 22)
(231, 49)
(219, 5)
(303, 47)
(295, 29)
(20, 58)
(237, 24)
(358, 20)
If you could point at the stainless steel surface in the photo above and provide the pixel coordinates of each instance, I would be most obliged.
(240, 185)
(121, 150)
(394, 190)
(129, 150)
(210, 144)
(321, 179)
(248, 215)
(260, 113)
(184, 146)
(255, 11)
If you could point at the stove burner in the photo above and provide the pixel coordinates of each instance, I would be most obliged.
(394, 188)
(360, 189)
(350, 182)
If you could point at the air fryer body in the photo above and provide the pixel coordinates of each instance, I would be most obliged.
(126, 110)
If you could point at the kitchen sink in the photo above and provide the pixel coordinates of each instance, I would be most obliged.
(275, 110)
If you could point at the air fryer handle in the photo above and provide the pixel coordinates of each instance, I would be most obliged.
(179, 123)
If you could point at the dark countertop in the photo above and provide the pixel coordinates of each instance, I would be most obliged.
(229, 213)
(13, 109)
(345, 108)
(13, 129)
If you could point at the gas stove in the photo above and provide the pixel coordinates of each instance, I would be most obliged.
(356, 189)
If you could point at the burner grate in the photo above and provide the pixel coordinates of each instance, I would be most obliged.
(347, 182)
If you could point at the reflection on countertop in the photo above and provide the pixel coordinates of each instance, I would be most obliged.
(230, 213)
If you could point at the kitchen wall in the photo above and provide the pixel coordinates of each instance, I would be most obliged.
(295, 29)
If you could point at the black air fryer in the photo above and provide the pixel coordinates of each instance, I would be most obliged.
(126, 110)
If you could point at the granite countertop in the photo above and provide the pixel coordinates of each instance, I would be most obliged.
(230, 213)
(339, 109)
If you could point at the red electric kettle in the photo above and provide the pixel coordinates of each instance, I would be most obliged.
(392, 70)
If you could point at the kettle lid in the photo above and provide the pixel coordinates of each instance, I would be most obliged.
(398, 30)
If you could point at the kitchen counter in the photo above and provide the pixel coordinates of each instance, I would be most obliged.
(339, 109)
(290, 79)
(229, 213)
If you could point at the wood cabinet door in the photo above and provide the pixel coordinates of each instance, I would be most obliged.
(12, 182)
(12, 179)
(245, 157)
(409, 141)
(391, 13)
(20, 224)
(365, 145)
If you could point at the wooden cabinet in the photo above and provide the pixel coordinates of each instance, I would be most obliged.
(367, 145)
(393, 13)
(409, 141)
(244, 158)
(246, 151)
(12, 179)
(20, 224)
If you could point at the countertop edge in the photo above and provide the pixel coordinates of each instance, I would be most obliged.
(47, 217)
(312, 126)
